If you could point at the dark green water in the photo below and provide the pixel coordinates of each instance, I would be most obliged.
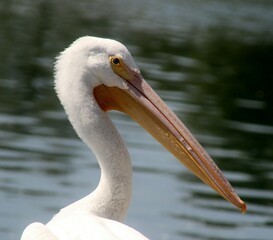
(211, 61)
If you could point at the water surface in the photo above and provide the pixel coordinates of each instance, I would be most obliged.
(210, 61)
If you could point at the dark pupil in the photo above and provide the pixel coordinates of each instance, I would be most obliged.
(116, 61)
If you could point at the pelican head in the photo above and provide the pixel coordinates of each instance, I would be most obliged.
(104, 70)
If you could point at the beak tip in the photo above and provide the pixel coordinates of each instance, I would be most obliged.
(243, 207)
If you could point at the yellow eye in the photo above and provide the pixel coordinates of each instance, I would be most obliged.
(115, 61)
(120, 68)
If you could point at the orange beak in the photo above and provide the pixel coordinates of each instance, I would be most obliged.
(143, 105)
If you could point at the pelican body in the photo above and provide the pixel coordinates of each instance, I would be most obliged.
(93, 76)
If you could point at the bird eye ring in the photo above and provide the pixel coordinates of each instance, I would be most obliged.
(115, 61)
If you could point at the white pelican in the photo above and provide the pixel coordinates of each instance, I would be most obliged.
(93, 76)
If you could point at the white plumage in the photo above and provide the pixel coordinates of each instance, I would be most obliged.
(79, 69)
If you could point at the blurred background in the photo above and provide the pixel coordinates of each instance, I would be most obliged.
(211, 61)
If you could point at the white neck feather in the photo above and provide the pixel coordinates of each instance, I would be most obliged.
(112, 196)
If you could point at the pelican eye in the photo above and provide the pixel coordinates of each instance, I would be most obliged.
(115, 61)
